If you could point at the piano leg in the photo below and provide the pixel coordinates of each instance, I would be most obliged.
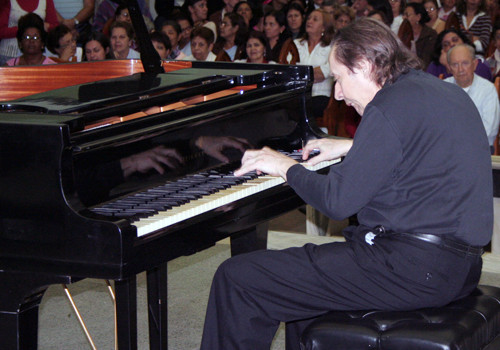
(20, 297)
(126, 313)
(158, 307)
(248, 240)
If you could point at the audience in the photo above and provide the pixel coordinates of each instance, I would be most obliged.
(447, 7)
(161, 43)
(435, 23)
(343, 17)
(121, 41)
(97, 47)
(424, 37)
(444, 42)
(476, 23)
(398, 7)
(232, 38)
(10, 13)
(295, 23)
(244, 9)
(31, 38)
(494, 60)
(274, 29)
(173, 30)
(256, 48)
(106, 12)
(61, 42)
(202, 43)
(462, 62)
(314, 50)
(186, 25)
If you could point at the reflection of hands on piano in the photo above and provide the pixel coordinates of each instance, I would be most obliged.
(155, 158)
(266, 161)
(329, 149)
(215, 146)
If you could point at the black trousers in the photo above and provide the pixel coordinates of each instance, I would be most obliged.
(252, 293)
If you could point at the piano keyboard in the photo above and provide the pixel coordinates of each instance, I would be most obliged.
(176, 201)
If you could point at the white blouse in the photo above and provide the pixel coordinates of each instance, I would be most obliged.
(317, 58)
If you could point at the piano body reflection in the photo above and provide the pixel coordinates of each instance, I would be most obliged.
(67, 212)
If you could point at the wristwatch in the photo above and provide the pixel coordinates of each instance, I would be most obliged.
(76, 21)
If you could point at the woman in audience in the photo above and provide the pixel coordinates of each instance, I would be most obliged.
(244, 9)
(173, 30)
(383, 8)
(343, 17)
(62, 43)
(274, 29)
(256, 48)
(435, 23)
(10, 13)
(295, 23)
(121, 41)
(161, 43)
(31, 37)
(447, 7)
(424, 37)
(398, 7)
(202, 43)
(186, 25)
(97, 47)
(197, 10)
(447, 39)
(314, 49)
(475, 23)
(107, 12)
(233, 32)
(494, 60)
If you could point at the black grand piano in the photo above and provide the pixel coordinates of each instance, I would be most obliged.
(69, 211)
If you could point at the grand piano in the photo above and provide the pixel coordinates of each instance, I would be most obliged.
(67, 210)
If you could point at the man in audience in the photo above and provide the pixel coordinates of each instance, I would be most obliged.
(463, 63)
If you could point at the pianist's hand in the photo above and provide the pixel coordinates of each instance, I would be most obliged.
(215, 145)
(329, 149)
(266, 161)
(154, 158)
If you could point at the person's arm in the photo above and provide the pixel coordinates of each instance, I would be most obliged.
(482, 37)
(83, 15)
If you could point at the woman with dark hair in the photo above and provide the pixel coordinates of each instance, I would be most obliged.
(476, 23)
(444, 42)
(232, 36)
(382, 7)
(245, 10)
(121, 41)
(295, 23)
(62, 43)
(197, 10)
(31, 38)
(314, 49)
(274, 29)
(161, 43)
(173, 30)
(202, 43)
(256, 48)
(397, 7)
(423, 36)
(436, 23)
(97, 47)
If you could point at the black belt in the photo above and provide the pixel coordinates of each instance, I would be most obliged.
(445, 242)
(438, 240)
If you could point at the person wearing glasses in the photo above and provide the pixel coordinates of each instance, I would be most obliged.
(432, 10)
(31, 37)
(61, 42)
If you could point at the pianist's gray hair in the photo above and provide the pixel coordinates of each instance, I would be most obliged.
(372, 40)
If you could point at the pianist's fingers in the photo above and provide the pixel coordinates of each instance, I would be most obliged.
(329, 149)
(266, 161)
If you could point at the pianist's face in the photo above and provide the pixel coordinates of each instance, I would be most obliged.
(356, 88)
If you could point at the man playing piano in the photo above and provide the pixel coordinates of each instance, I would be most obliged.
(418, 174)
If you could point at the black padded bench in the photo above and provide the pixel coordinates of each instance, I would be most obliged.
(472, 323)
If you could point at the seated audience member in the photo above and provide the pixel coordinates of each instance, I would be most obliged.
(256, 48)
(197, 10)
(61, 42)
(383, 8)
(423, 36)
(462, 62)
(295, 20)
(172, 29)
(121, 41)
(10, 13)
(359, 6)
(329, 6)
(476, 23)
(494, 60)
(398, 7)
(106, 12)
(232, 36)
(314, 49)
(31, 37)
(97, 47)
(245, 10)
(218, 16)
(161, 43)
(186, 25)
(435, 23)
(444, 42)
(274, 29)
(343, 17)
(202, 43)
(447, 7)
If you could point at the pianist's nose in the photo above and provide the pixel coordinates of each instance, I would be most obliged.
(339, 95)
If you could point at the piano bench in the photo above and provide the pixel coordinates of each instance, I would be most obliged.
(472, 323)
